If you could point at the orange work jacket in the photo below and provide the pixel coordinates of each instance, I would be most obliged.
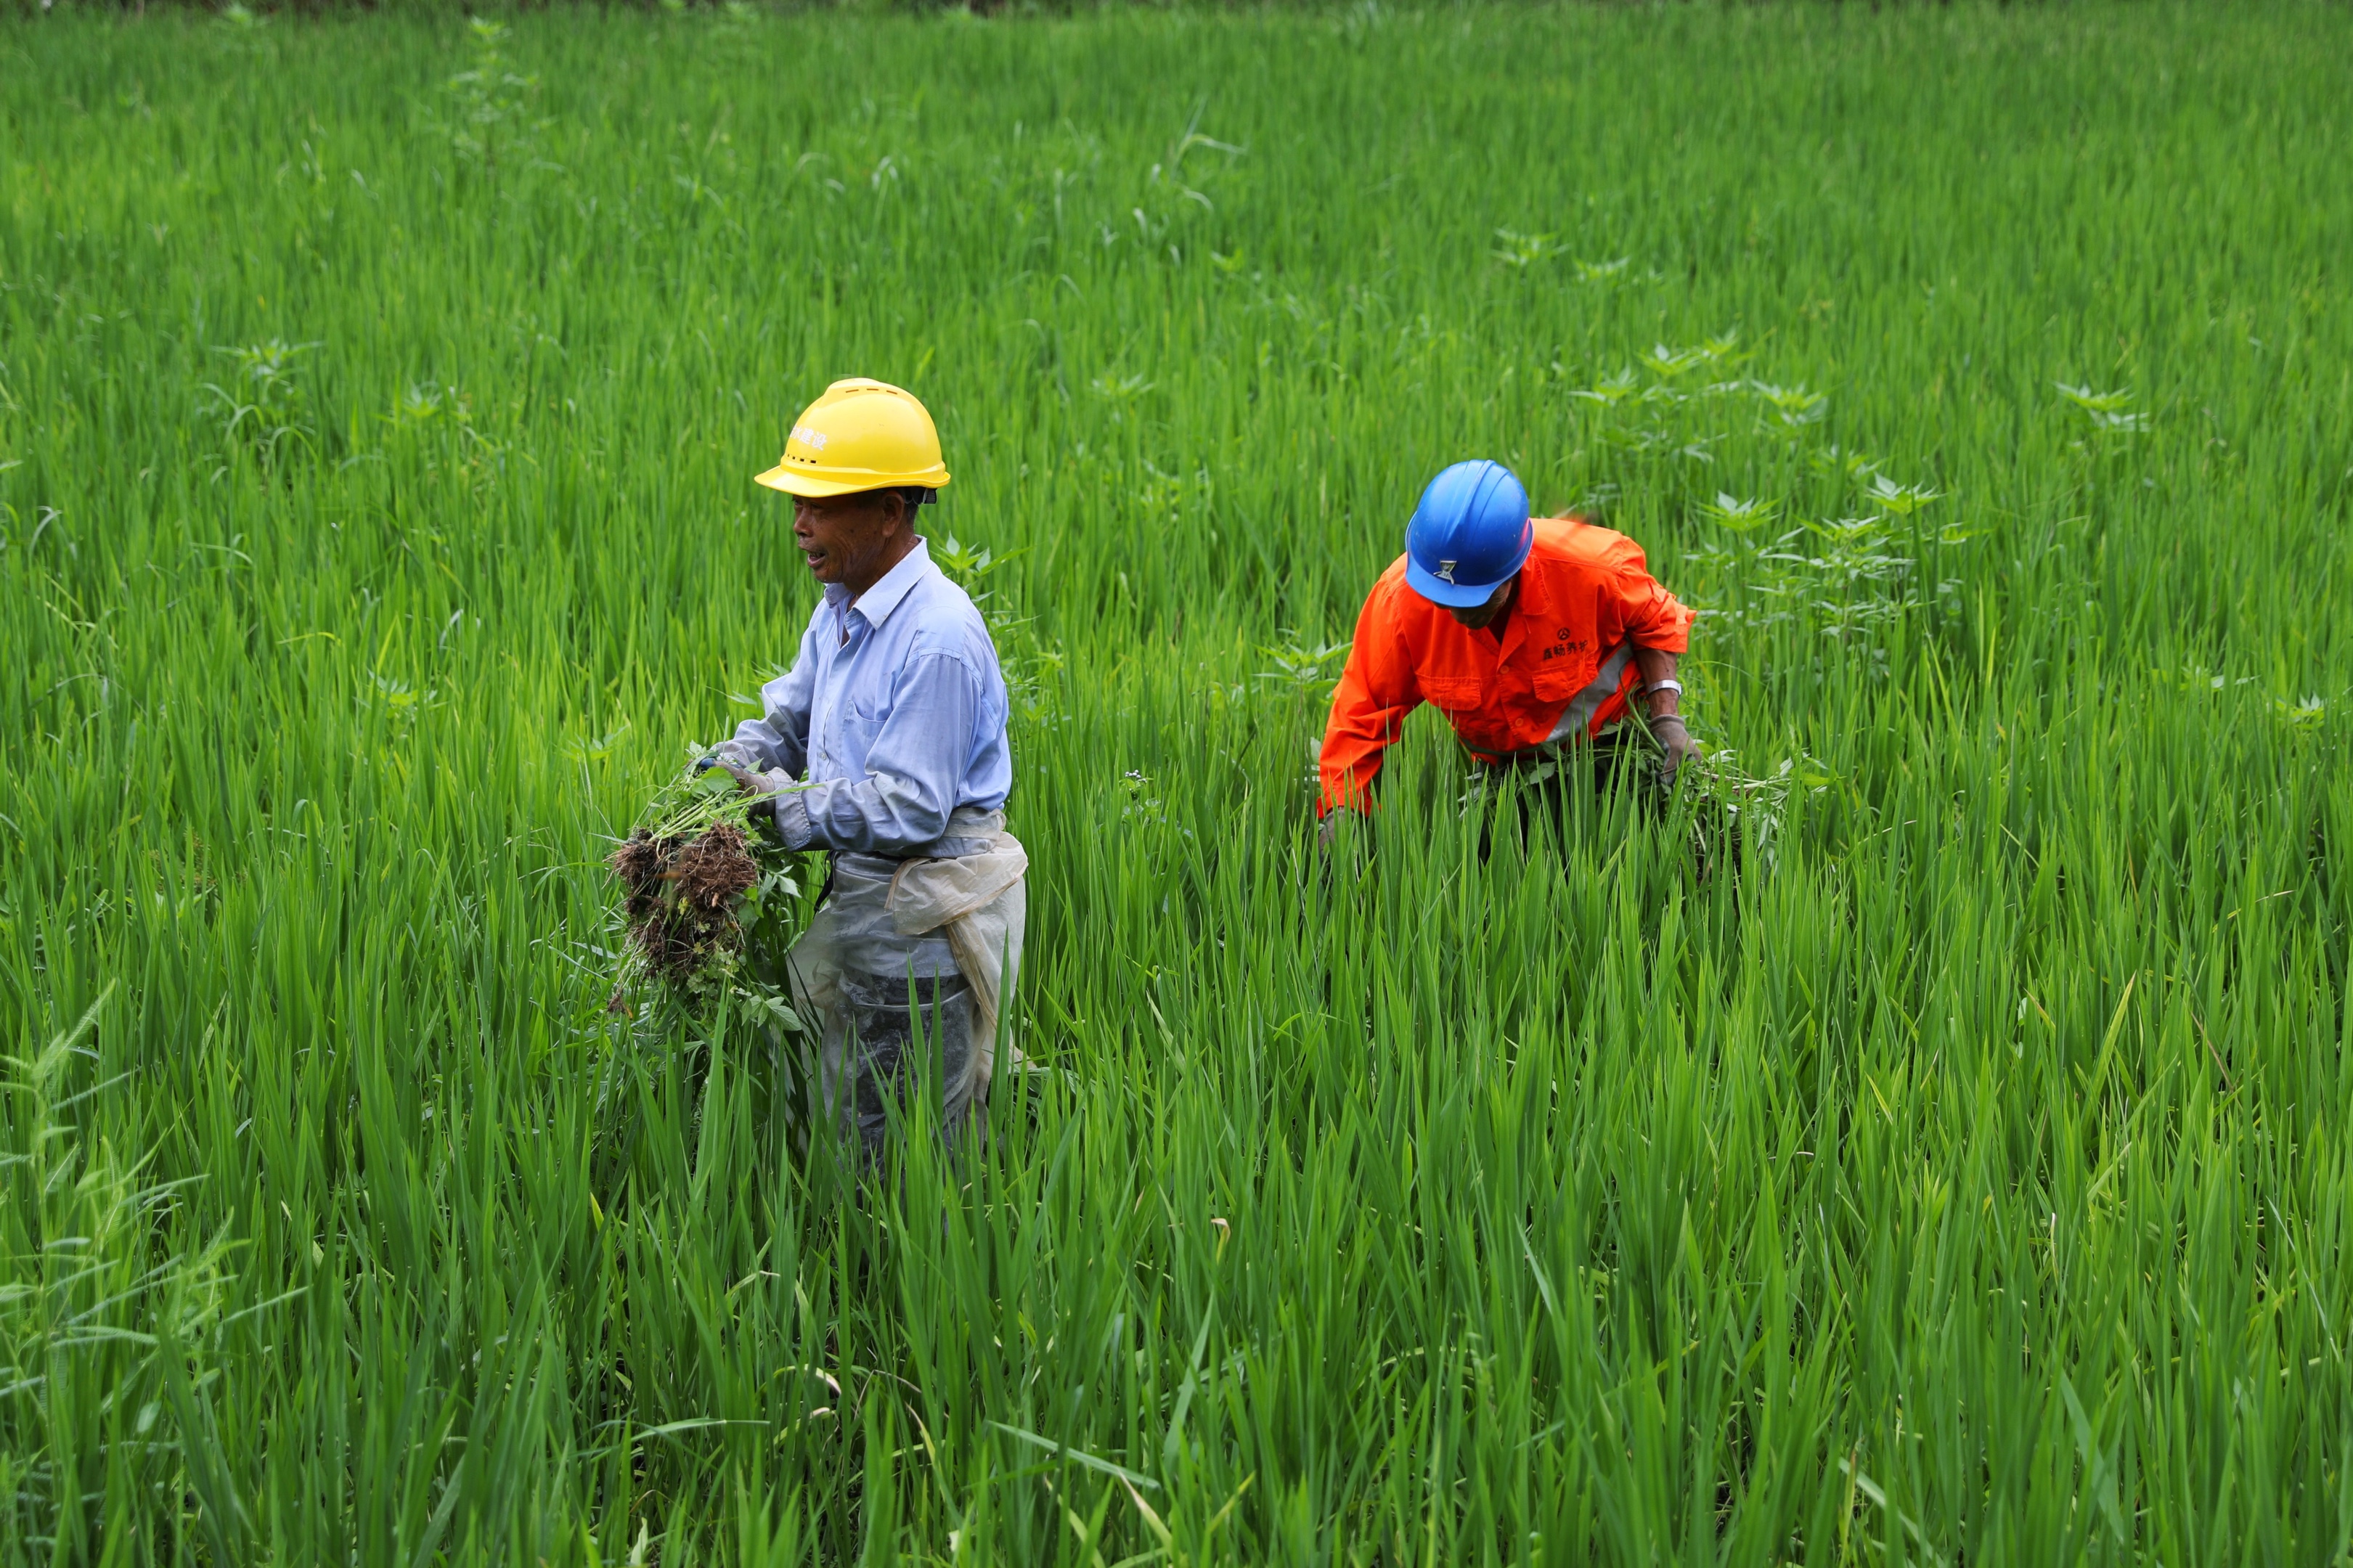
(1563, 670)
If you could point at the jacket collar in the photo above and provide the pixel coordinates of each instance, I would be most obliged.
(1531, 606)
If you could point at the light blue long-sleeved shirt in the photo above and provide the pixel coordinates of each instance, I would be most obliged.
(895, 709)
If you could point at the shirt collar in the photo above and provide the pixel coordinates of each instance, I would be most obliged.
(1530, 604)
(877, 603)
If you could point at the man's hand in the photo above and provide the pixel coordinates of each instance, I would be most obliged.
(1675, 739)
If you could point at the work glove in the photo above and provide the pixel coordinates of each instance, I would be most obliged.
(732, 761)
(750, 781)
(728, 754)
(776, 781)
(1674, 740)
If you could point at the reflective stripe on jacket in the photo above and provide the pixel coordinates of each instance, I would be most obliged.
(1564, 668)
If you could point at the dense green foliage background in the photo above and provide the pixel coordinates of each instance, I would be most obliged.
(1964, 1178)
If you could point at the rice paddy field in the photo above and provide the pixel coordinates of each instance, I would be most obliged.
(1945, 1163)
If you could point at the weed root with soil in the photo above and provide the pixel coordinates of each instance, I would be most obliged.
(681, 895)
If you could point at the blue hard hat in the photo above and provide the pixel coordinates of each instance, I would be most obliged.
(1469, 533)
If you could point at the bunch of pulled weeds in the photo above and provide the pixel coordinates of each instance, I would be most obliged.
(710, 902)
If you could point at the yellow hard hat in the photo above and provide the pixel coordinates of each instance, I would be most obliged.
(860, 436)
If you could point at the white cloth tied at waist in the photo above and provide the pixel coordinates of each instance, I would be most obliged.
(980, 902)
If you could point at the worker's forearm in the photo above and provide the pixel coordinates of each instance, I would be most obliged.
(1656, 665)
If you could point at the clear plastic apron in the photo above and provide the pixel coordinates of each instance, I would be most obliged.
(908, 966)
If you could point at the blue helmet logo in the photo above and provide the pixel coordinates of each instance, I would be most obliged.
(1469, 534)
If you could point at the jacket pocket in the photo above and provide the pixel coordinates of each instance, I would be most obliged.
(1455, 693)
(1559, 681)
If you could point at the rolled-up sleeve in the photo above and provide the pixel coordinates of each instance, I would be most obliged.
(1641, 606)
(779, 737)
(913, 769)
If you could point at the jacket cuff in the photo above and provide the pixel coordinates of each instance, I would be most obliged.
(792, 823)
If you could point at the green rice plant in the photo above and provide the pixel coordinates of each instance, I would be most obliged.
(1929, 1151)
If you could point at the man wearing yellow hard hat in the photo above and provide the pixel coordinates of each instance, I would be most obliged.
(884, 745)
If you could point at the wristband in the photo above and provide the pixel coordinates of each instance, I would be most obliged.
(1670, 684)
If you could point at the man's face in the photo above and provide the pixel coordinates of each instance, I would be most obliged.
(1478, 615)
(849, 539)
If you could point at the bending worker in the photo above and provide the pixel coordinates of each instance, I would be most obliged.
(885, 745)
(1533, 635)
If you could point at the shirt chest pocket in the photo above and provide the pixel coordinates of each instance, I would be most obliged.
(1562, 678)
(1454, 693)
(846, 736)
(858, 723)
